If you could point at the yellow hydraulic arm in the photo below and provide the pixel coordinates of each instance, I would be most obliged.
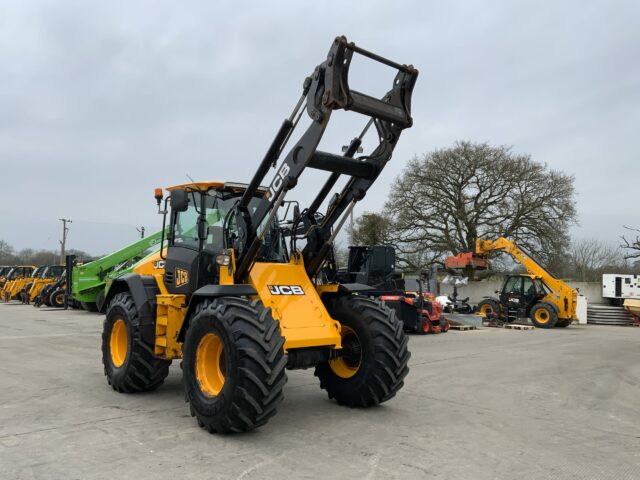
(562, 295)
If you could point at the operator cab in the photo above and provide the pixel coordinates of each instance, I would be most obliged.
(521, 292)
(53, 271)
(202, 229)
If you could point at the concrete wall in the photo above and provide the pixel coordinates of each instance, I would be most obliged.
(476, 290)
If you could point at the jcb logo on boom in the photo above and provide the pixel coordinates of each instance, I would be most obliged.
(182, 277)
(285, 290)
(276, 185)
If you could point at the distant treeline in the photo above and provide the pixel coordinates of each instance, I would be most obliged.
(30, 256)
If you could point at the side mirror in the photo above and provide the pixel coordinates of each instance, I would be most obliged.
(179, 200)
(296, 211)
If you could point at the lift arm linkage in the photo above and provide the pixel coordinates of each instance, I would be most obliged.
(326, 90)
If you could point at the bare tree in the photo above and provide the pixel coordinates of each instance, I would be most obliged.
(631, 245)
(446, 199)
(29, 256)
(6, 253)
(590, 258)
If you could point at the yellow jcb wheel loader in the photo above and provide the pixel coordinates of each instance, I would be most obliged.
(240, 298)
(46, 276)
(15, 280)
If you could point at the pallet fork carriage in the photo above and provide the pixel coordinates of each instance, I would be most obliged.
(237, 299)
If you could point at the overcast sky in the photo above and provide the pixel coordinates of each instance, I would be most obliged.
(100, 102)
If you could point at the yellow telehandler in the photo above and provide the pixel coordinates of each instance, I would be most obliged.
(548, 301)
(240, 298)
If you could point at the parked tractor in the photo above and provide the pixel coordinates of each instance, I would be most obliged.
(237, 302)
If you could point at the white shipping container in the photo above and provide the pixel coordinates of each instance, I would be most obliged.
(620, 286)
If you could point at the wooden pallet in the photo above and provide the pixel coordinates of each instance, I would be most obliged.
(517, 326)
(462, 328)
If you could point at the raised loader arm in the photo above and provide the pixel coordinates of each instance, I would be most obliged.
(326, 90)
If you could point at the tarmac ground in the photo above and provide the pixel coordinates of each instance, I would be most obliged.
(483, 404)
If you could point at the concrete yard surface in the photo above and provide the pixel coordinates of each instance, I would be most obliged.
(482, 404)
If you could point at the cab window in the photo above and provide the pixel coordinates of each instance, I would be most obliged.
(185, 231)
(529, 287)
(513, 285)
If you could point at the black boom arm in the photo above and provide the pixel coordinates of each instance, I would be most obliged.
(327, 89)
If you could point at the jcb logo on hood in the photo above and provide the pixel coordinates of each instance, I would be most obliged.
(182, 277)
(285, 290)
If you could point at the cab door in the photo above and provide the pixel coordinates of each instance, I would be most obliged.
(183, 253)
(531, 294)
(511, 296)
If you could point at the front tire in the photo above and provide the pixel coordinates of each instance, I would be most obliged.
(424, 326)
(490, 308)
(543, 315)
(376, 366)
(56, 299)
(129, 363)
(234, 365)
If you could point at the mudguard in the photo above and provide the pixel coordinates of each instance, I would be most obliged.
(143, 289)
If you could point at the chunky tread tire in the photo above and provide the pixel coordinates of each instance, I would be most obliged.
(491, 303)
(384, 353)
(424, 327)
(54, 299)
(553, 315)
(255, 365)
(46, 296)
(563, 323)
(141, 371)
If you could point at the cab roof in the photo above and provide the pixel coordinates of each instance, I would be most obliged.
(215, 185)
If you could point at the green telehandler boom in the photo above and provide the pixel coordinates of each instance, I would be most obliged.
(90, 282)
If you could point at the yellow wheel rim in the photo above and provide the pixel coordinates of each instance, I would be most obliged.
(347, 367)
(118, 343)
(542, 316)
(60, 299)
(485, 309)
(210, 365)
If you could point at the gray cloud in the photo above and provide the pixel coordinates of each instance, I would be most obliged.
(103, 101)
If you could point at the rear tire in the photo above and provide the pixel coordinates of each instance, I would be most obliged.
(379, 371)
(445, 326)
(129, 363)
(543, 315)
(234, 365)
(563, 323)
